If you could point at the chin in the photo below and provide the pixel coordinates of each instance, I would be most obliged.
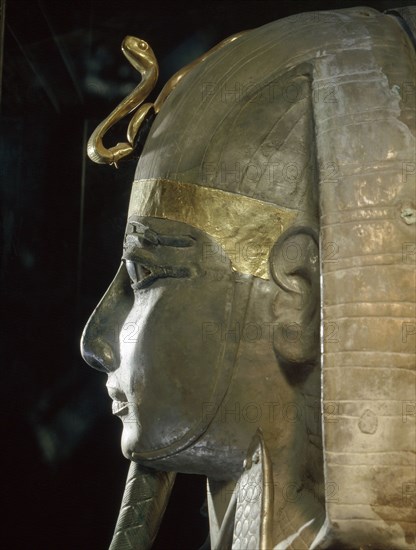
(193, 460)
(130, 440)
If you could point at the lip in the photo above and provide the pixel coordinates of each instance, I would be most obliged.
(120, 408)
(120, 402)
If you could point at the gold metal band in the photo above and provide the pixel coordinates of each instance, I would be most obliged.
(245, 228)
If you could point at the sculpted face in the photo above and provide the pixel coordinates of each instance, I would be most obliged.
(162, 367)
(168, 333)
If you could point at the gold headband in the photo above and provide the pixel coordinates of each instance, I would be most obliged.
(245, 228)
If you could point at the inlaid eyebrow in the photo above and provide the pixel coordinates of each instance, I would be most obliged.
(140, 255)
(142, 233)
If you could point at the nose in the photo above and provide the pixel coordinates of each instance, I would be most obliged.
(99, 340)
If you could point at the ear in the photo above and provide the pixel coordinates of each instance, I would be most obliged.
(294, 266)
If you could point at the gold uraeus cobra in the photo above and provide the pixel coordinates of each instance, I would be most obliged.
(141, 56)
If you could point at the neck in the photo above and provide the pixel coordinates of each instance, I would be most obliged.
(289, 417)
(296, 504)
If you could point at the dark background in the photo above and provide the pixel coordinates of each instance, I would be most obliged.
(62, 223)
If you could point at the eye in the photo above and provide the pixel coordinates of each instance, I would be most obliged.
(142, 276)
(137, 272)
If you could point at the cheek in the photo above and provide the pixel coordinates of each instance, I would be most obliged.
(173, 368)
